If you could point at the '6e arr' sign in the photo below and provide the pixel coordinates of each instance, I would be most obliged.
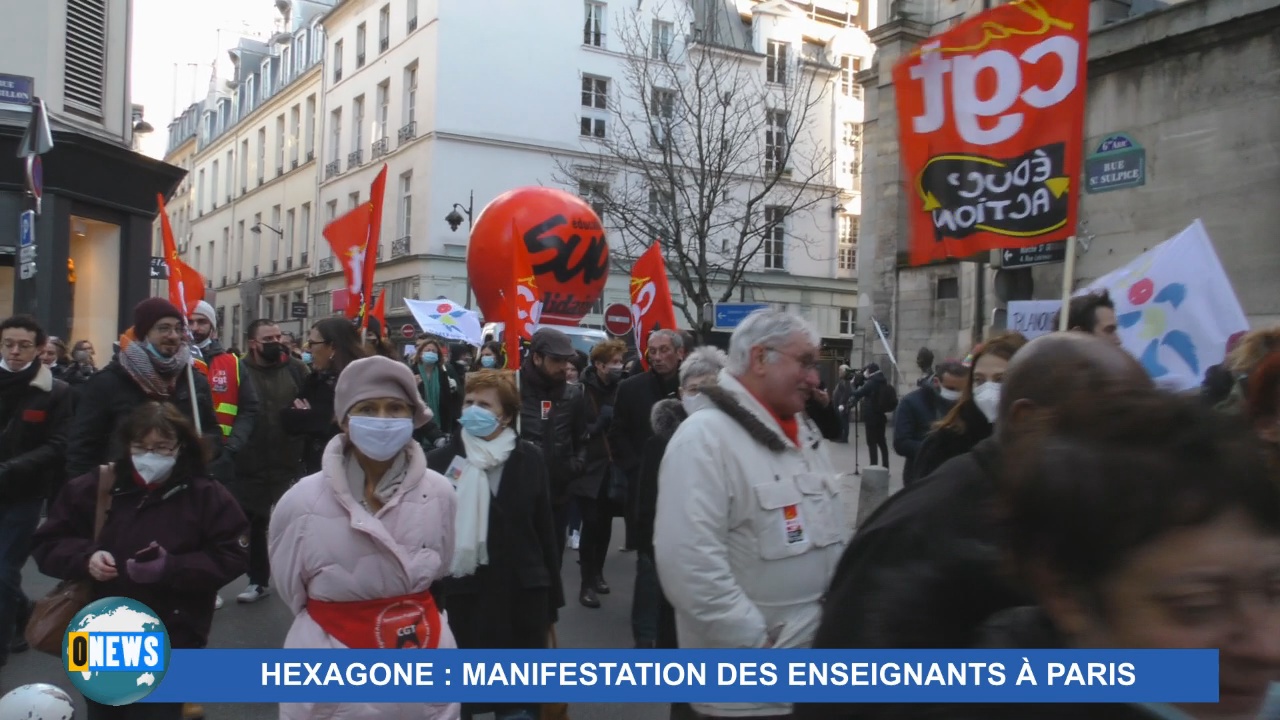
(991, 116)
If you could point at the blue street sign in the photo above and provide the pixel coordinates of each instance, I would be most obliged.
(27, 229)
(16, 89)
(730, 315)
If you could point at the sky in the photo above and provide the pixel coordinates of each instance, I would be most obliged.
(189, 34)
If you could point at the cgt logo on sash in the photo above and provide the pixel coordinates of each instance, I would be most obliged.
(407, 624)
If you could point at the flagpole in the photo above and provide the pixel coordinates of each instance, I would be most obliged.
(195, 406)
(1068, 281)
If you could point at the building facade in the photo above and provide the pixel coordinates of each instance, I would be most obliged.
(92, 238)
(1166, 74)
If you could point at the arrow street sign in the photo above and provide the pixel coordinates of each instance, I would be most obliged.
(730, 315)
(1054, 252)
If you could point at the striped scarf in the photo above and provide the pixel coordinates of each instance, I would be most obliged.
(157, 376)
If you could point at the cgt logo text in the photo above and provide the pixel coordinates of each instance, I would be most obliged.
(115, 652)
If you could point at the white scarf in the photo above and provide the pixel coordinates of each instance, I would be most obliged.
(471, 549)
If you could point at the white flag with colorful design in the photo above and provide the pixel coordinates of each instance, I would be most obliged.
(1176, 308)
(446, 319)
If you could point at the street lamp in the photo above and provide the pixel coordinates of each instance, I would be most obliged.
(257, 229)
(454, 218)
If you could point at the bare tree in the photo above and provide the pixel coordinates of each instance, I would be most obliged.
(706, 147)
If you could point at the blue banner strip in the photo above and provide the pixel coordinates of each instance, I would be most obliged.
(662, 676)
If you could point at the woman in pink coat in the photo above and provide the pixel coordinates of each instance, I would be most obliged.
(356, 547)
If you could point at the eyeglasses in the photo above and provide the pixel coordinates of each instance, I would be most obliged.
(166, 450)
(808, 362)
(169, 329)
(24, 346)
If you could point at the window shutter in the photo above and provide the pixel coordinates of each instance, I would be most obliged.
(86, 56)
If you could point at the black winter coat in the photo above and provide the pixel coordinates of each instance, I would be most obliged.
(316, 424)
(665, 418)
(554, 417)
(869, 395)
(913, 422)
(34, 439)
(597, 463)
(272, 459)
(943, 444)
(108, 399)
(631, 427)
(924, 571)
(826, 417)
(195, 520)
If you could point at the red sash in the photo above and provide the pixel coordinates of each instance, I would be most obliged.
(405, 622)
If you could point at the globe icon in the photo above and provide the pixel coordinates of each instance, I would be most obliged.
(120, 615)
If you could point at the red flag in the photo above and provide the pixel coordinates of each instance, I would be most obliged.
(376, 192)
(354, 240)
(651, 307)
(523, 302)
(380, 312)
(186, 286)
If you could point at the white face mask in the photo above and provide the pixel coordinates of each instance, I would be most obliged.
(380, 438)
(987, 398)
(691, 402)
(154, 468)
(948, 394)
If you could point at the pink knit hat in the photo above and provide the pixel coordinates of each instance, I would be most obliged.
(378, 377)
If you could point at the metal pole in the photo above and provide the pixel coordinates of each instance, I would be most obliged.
(471, 202)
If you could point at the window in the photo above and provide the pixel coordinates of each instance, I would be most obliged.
(596, 194)
(230, 164)
(852, 135)
(775, 238)
(257, 245)
(849, 67)
(295, 132)
(213, 184)
(405, 213)
(848, 321)
(264, 72)
(353, 200)
(384, 28)
(331, 211)
(335, 135)
(290, 232)
(239, 251)
(250, 97)
(595, 101)
(662, 108)
(848, 248)
(235, 324)
(660, 203)
(299, 53)
(775, 141)
(412, 14)
(262, 154)
(275, 240)
(357, 124)
(198, 258)
(244, 165)
(776, 65)
(311, 126)
(86, 57)
(410, 93)
(361, 31)
(306, 230)
(280, 144)
(948, 288)
(269, 308)
(200, 192)
(660, 40)
(593, 24)
(337, 60)
(398, 290)
(384, 110)
(226, 257)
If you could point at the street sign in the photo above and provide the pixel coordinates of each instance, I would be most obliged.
(408, 331)
(298, 311)
(617, 319)
(27, 254)
(730, 315)
(1054, 252)
(26, 271)
(16, 89)
(1118, 163)
(159, 269)
(27, 228)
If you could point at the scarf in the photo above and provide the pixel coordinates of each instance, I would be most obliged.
(156, 376)
(10, 380)
(387, 486)
(471, 548)
(431, 389)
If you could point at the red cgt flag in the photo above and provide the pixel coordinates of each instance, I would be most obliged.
(523, 303)
(651, 307)
(186, 286)
(991, 119)
(354, 240)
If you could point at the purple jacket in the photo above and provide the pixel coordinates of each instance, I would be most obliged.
(196, 521)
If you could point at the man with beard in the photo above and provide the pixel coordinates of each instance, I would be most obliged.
(637, 395)
(35, 414)
(235, 400)
(553, 417)
(921, 408)
(273, 458)
(153, 365)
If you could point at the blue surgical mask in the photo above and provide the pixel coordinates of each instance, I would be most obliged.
(478, 422)
(306, 357)
(430, 358)
(488, 361)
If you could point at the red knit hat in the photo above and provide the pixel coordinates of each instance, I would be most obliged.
(150, 311)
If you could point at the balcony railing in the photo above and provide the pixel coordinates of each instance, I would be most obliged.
(332, 169)
(408, 132)
(325, 265)
(355, 159)
(380, 148)
(400, 247)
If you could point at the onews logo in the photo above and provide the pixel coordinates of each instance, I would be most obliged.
(116, 651)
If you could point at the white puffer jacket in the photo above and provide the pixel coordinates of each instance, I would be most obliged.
(325, 545)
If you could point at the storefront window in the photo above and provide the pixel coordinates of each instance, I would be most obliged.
(94, 281)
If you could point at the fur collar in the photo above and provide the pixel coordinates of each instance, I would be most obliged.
(666, 417)
(729, 405)
(43, 381)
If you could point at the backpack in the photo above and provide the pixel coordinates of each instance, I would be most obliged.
(887, 398)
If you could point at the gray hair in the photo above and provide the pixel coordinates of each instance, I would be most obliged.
(706, 361)
(765, 327)
(677, 340)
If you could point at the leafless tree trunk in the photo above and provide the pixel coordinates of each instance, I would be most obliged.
(705, 148)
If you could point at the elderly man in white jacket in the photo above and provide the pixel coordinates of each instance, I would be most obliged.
(749, 526)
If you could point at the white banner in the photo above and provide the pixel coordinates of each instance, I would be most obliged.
(446, 319)
(1176, 308)
(1032, 318)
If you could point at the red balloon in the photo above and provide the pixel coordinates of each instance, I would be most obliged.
(566, 246)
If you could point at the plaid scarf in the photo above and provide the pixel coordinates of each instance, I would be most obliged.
(156, 376)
